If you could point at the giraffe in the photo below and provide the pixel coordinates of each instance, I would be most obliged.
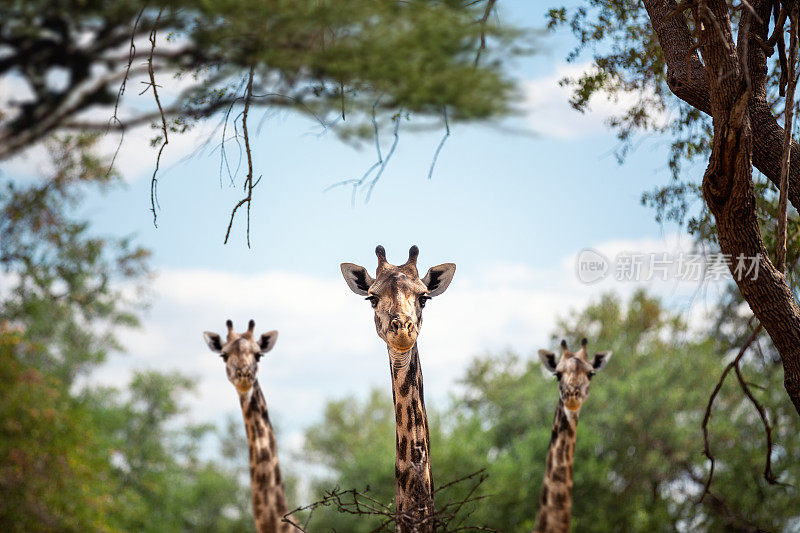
(397, 295)
(573, 372)
(241, 353)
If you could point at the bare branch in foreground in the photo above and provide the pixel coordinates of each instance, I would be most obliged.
(354, 502)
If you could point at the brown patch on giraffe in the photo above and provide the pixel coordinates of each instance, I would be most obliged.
(559, 500)
(269, 523)
(559, 474)
(263, 455)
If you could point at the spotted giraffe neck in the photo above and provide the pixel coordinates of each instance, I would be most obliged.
(555, 502)
(266, 482)
(412, 470)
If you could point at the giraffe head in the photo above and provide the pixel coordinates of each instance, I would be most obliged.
(574, 371)
(241, 353)
(398, 294)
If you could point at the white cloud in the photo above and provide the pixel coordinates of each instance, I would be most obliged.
(547, 109)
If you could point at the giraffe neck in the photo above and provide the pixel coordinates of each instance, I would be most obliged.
(555, 502)
(266, 482)
(412, 470)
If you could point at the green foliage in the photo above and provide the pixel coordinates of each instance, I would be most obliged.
(356, 442)
(52, 475)
(60, 277)
(329, 57)
(639, 463)
(78, 458)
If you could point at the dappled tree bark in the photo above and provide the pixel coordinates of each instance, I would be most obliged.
(732, 90)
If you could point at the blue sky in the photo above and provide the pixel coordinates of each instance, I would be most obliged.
(512, 210)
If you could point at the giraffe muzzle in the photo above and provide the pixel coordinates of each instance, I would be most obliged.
(402, 325)
(572, 400)
(243, 379)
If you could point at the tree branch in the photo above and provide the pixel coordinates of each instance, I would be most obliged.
(248, 182)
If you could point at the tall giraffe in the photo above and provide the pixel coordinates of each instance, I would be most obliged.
(573, 371)
(241, 353)
(397, 295)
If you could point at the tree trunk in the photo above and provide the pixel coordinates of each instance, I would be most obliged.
(728, 186)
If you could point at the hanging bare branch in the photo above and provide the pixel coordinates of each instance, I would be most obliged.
(248, 182)
(482, 21)
(707, 416)
(379, 164)
(164, 134)
(441, 143)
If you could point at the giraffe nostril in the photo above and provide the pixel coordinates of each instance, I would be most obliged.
(396, 324)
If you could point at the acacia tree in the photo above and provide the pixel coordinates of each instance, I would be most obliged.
(707, 61)
(350, 64)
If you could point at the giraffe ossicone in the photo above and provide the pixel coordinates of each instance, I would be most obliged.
(574, 372)
(398, 295)
(241, 353)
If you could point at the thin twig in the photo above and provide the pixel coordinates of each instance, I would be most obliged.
(114, 117)
(397, 118)
(248, 182)
(441, 143)
(482, 21)
(151, 72)
(707, 416)
(768, 475)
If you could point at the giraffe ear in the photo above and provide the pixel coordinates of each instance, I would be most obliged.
(357, 278)
(438, 278)
(213, 341)
(600, 359)
(548, 360)
(267, 341)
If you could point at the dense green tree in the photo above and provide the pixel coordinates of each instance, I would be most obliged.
(355, 66)
(639, 464)
(315, 57)
(61, 277)
(53, 474)
(75, 457)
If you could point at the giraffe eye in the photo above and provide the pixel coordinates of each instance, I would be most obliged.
(372, 300)
(422, 300)
(558, 376)
(224, 356)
